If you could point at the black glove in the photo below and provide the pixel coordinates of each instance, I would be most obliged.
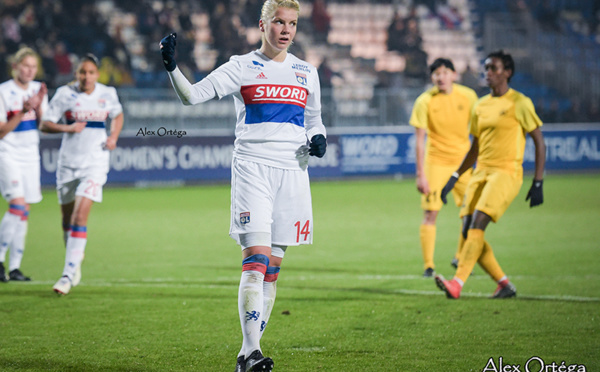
(167, 49)
(449, 186)
(536, 193)
(318, 146)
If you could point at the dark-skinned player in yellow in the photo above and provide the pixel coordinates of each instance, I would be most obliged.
(499, 124)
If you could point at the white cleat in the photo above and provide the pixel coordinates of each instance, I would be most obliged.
(77, 277)
(63, 286)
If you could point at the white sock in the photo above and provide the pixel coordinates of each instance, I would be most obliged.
(250, 306)
(8, 227)
(269, 294)
(17, 248)
(75, 250)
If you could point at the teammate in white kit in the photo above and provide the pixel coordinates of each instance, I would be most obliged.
(277, 100)
(22, 101)
(83, 160)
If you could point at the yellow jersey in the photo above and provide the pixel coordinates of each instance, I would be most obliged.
(500, 124)
(445, 117)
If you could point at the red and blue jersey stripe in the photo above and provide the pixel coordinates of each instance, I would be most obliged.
(270, 103)
(90, 124)
(28, 122)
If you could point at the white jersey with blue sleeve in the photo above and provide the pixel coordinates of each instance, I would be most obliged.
(70, 105)
(278, 106)
(22, 143)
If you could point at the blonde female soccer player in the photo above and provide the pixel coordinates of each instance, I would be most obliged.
(84, 107)
(22, 101)
(499, 124)
(277, 100)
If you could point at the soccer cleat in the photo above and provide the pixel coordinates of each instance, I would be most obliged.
(240, 365)
(17, 275)
(428, 272)
(451, 287)
(257, 362)
(454, 263)
(63, 286)
(506, 291)
(3, 277)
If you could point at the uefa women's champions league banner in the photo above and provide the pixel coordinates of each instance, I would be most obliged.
(154, 159)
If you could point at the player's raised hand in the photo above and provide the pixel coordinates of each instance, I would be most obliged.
(536, 193)
(449, 186)
(318, 146)
(167, 49)
(34, 102)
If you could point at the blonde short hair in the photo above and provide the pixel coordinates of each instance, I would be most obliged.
(270, 7)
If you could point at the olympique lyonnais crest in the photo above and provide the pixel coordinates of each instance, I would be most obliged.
(301, 78)
(102, 103)
(244, 218)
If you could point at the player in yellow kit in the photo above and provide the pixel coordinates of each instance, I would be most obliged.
(499, 123)
(442, 113)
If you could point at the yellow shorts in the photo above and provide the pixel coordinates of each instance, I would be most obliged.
(437, 177)
(491, 191)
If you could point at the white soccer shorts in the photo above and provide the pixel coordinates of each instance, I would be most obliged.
(20, 180)
(86, 182)
(271, 200)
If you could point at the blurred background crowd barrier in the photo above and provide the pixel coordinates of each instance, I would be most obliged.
(372, 56)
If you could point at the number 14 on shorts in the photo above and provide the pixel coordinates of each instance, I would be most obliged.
(302, 230)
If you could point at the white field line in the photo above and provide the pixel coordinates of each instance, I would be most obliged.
(219, 282)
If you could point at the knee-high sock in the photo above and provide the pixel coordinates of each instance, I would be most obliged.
(250, 301)
(269, 294)
(8, 227)
(461, 244)
(17, 247)
(470, 254)
(488, 262)
(75, 249)
(427, 233)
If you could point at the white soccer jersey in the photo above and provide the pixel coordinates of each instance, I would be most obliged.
(21, 144)
(79, 150)
(278, 106)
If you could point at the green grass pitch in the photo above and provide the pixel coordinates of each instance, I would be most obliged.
(160, 279)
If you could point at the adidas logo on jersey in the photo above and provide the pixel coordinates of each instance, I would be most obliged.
(261, 76)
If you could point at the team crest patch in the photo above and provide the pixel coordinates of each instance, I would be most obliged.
(102, 103)
(244, 218)
(301, 78)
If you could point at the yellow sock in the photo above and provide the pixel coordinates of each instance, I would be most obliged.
(461, 244)
(470, 254)
(427, 233)
(488, 262)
